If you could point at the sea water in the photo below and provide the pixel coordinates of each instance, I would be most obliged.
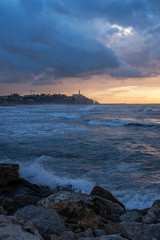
(114, 146)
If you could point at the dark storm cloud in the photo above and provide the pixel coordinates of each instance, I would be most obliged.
(34, 38)
(137, 13)
(45, 40)
(126, 71)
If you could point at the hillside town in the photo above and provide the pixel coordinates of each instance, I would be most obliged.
(16, 99)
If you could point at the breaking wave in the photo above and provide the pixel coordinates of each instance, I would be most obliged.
(36, 173)
(120, 123)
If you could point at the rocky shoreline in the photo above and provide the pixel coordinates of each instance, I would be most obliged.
(29, 211)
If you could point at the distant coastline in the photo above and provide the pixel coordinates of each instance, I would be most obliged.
(40, 99)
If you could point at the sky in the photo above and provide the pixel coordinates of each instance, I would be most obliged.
(108, 49)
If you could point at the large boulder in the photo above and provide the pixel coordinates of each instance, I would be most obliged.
(47, 221)
(11, 184)
(11, 205)
(134, 230)
(16, 192)
(9, 173)
(153, 214)
(82, 211)
(131, 216)
(98, 191)
(12, 228)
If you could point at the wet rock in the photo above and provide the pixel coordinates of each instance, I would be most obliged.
(11, 205)
(82, 211)
(141, 231)
(153, 214)
(99, 232)
(134, 230)
(22, 200)
(2, 212)
(68, 188)
(68, 235)
(7, 204)
(131, 216)
(112, 237)
(55, 237)
(88, 238)
(113, 228)
(24, 187)
(46, 221)
(98, 191)
(87, 233)
(43, 191)
(9, 173)
(141, 211)
(11, 184)
(16, 192)
(12, 228)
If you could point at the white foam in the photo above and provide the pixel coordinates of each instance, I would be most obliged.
(64, 115)
(133, 199)
(112, 123)
(88, 108)
(36, 173)
(120, 123)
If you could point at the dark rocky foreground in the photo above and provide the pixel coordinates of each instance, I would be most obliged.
(29, 211)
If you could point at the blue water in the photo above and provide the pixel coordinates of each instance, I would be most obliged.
(114, 146)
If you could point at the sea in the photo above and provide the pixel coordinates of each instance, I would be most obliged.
(114, 146)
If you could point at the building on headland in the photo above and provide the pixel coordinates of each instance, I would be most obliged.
(81, 99)
(15, 98)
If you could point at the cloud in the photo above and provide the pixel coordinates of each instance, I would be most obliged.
(126, 71)
(44, 41)
(127, 12)
(34, 38)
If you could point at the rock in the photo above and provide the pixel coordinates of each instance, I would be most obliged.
(88, 238)
(46, 221)
(16, 192)
(68, 188)
(11, 205)
(131, 216)
(98, 191)
(7, 204)
(12, 228)
(82, 211)
(24, 187)
(42, 191)
(135, 230)
(141, 231)
(113, 228)
(2, 212)
(22, 200)
(87, 233)
(141, 211)
(68, 235)
(9, 173)
(55, 237)
(99, 232)
(11, 184)
(153, 214)
(112, 237)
